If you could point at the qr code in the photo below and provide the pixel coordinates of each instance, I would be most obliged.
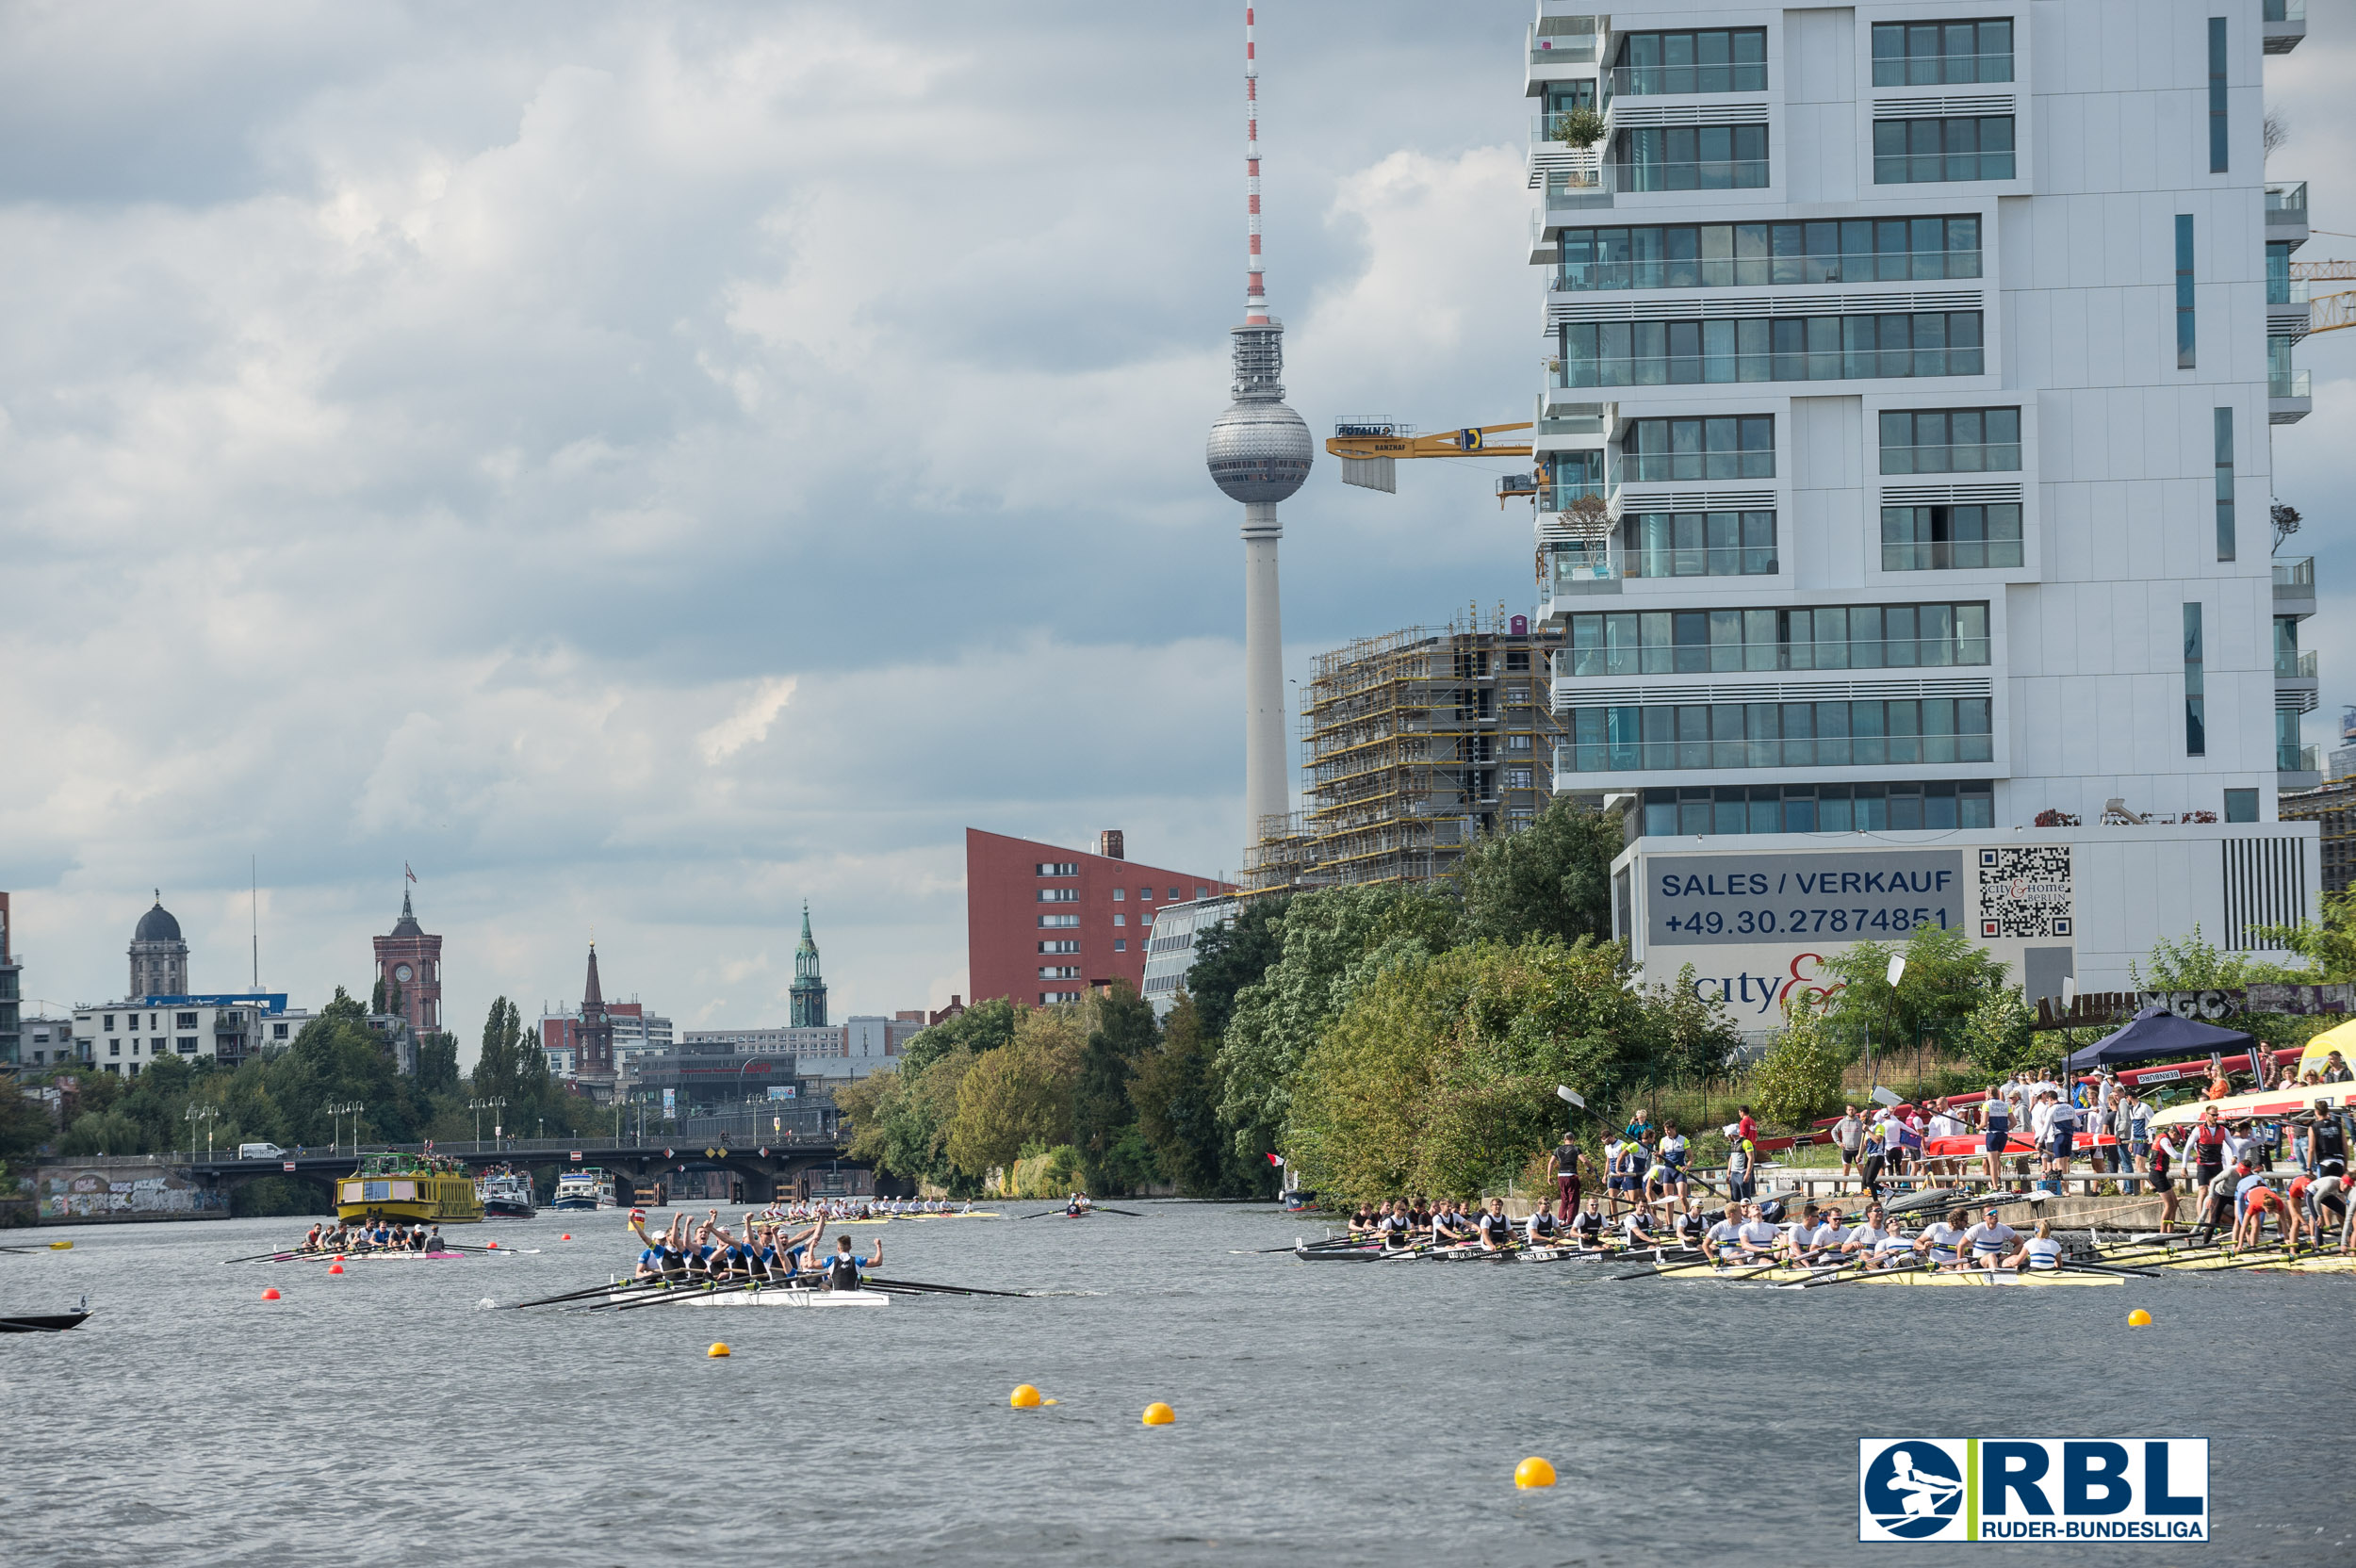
(2026, 891)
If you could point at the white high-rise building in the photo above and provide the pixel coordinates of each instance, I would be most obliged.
(1926, 358)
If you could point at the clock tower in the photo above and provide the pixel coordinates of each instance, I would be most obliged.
(411, 960)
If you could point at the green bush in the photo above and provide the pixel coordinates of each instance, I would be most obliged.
(1800, 1080)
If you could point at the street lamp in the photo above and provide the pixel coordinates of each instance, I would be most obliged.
(205, 1114)
(351, 1109)
(479, 1106)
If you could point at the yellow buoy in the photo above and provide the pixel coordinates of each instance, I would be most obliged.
(59, 1245)
(719, 1348)
(1050, 1401)
(1159, 1414)
(1023, 1397)
(1533, 1471)
(2139, 1319)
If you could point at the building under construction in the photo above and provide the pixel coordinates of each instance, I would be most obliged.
(1417, 743)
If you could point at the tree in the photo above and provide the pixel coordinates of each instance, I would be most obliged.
(1801, 1075)
(1553, 879)
(501, 1065)
(1013, 1099)
(984, 1027)
(2195, 963)
(1121, 1030)
(1996, 1035)
(1176, 1093)
(438, 1062)
(1946, 975)
(1697, 1038)
(1230, 956)
(1334, 941)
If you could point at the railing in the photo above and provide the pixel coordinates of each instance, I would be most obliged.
(1578, 277)
(1550, 128)
(1562, 48)
(2287, 203)
(2291, 665)
(1940, 70)
(1558, 497)
(2297, 383)
(1991, 457)
(1801, 365)
(2292, 758)
(1651, 81)
(2284, 10)
(1932, 167)
(2287, 291)
(1853, 751)
(1707, 174)
(1703, 561)
(2299, 571)
(1952, 556)
(1662, 468)
(1888, 653)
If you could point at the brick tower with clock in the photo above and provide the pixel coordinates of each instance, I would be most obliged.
(410, 959)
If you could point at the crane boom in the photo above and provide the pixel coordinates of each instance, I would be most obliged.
(2331, 312)
(1369, 449)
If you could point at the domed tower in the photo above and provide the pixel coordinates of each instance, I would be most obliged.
(1259, 453)
(159, 960)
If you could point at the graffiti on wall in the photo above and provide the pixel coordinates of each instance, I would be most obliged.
(101, 1195)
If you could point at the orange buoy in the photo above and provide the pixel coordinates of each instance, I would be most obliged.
(334, 1269)
(1023, 1397)
(2139, 1319)
(1533, 1471)
(1159, 1414)
(718, 1349)
(495, 1246)
(271, 1295)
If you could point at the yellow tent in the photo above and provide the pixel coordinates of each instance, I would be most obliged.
(2341, 1039)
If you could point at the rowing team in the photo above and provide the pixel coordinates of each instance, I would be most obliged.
(707, 1252)
(893, 1208)
(1819, 1237)
(1451, 1223)
(376, 1236)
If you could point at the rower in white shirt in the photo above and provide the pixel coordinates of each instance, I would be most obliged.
(2040, 1253)
(1865, 1237)
(1720, 1241)
(1756, 1237)
(1988, 1240)
(1941, 1242)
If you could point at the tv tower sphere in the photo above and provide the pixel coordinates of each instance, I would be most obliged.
(1260, 450)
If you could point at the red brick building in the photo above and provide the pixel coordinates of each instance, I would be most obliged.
(1044, 923)
(411, 958)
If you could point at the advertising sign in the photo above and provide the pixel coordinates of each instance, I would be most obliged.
(781, 1091)
(2057, 1489)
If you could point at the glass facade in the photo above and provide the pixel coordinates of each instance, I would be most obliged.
(1879, 733)
(1951, 440)
(1715, 60)
(1699, 544)
(1950, 538)
(1782, 348)
(1826, 637)
(1960, 147)
(1938, 53)
(1819, 808)
(1727, 256)
(1690, 157)
(1726, 447)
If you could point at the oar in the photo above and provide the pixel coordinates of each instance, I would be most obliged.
(577, 1294)
(1659, 1263)
(2118, 1269)
(946, 1290)
(1098, 1208)
(1861, 1274)
(257, 1257)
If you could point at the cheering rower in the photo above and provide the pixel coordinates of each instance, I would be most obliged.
(842, 1268)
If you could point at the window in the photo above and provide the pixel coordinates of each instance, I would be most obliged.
(2185, 326)
(2224, 421)
(2217, 95)
(1951, 440)
(1059, 947)
(1784, 348)
(1059, 973)
(1119, 895)
(1827, 637)
(2278, 273)
(1145, 895)
(1936, 53)
(184, 1021)
(1060, 868)
(2196, 701)
(110, 1023)
(1049, 998)
(1699, 544)
(1778, 735)
(1722, 255)
(1121, 920)
(1950, 538)
(131, 1022)
(1691, 157)
(185, 1045)
(1959, 147)
(2241, 806)
(1819, 808)
(1518, 779)
(1120, 944)
(1726, 447)
(1199, 892)
(114, 1048)
(1051, 921)
(2285, 646)
(1717, 59)
(278, 1031)
(1060, 895)
(1518, 743)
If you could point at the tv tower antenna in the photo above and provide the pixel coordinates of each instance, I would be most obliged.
(1259, 453)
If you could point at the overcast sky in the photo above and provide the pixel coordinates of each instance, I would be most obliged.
(647, 466)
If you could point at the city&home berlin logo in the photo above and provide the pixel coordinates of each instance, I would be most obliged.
(1913, 1491)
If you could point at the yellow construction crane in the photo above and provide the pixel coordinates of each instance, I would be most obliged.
(2329, 312)
(1371, 448)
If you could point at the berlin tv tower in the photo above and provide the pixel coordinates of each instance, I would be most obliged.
(1259, 453)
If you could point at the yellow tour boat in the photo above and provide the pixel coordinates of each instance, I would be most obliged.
(413, 1187)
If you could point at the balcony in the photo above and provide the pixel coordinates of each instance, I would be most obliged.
(1705, 174)
(2290, 397)
(2295, 664)
(1564, 40)
(2295, 586)
(2284, 24)
(1996, 457)
(1581, 570)
(2287, 213)
(2298, 767)
(1662, 81)
(2287, 308)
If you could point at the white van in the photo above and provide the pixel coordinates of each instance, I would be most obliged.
(260, 1152)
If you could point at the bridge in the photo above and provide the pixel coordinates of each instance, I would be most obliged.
(70, 1190)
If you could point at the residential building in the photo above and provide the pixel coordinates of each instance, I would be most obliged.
(1932, 436)
(942, 1015)
(1417, 742)
(410, 960)
(807, 997)
(873, 1043)
(825, 1041)
(44, 1042)
(159, 959)
(636, 1033)
(1044, 923)
(1169, 949)
(124, 1037)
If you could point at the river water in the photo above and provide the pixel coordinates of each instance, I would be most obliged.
(1324, 1413)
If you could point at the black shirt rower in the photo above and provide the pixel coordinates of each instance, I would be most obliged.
(844, 1266)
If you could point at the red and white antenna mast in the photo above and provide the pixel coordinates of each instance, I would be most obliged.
(1256, 290)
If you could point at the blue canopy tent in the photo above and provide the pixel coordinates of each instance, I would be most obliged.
(2154, 1034)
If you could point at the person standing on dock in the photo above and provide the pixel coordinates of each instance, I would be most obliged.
(1848, 1135)
(1563, 1169)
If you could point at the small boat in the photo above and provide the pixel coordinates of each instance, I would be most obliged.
(505, 1195)
(591, 1189)
(782, 1296)
(1453, 1254)
(50, 1323)
(429, 1189)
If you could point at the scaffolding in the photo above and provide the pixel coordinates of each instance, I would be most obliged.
(1417, 743)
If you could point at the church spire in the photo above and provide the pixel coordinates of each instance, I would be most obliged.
(809, 993)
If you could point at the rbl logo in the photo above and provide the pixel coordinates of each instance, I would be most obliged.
(2032, 1489)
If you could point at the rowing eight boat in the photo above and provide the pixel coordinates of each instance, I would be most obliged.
(783, 1296)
